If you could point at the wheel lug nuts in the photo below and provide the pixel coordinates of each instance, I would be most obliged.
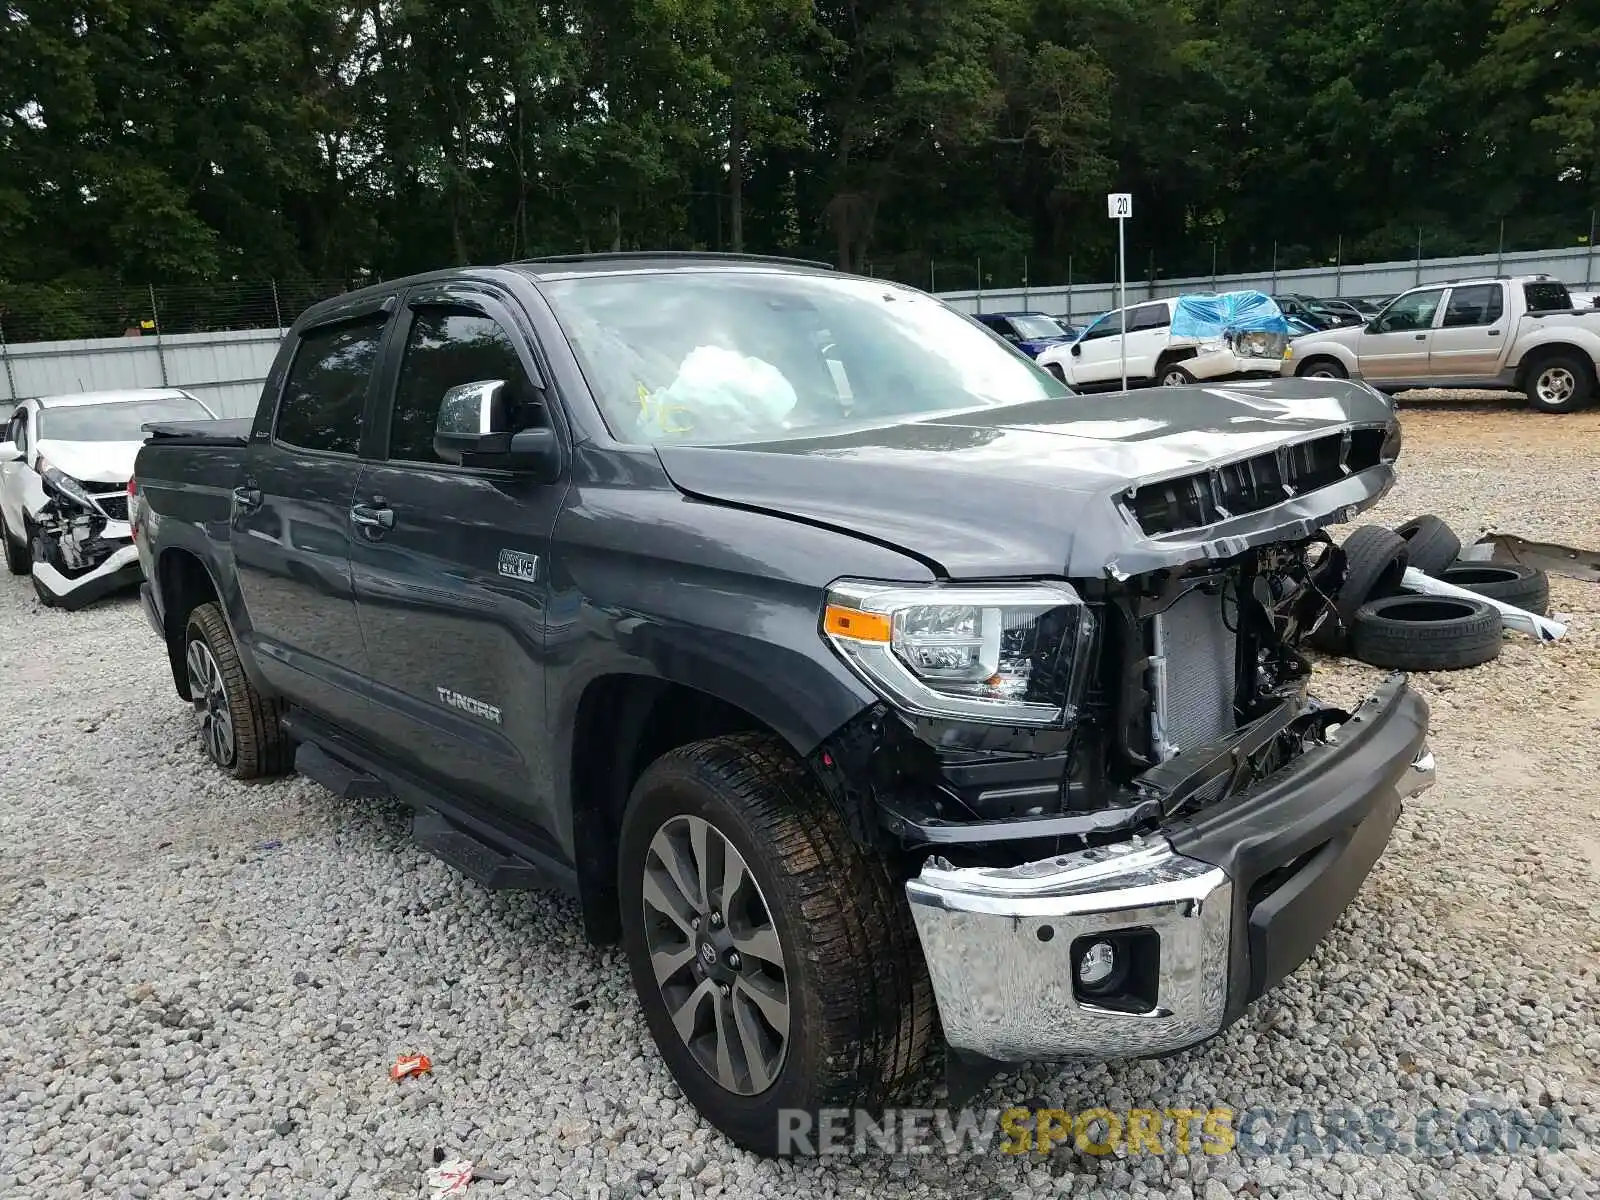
(725, 990)
(716, 920)
(733, 959)
(694, 922)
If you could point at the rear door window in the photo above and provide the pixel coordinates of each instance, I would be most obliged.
(326, 391)
(1477, 305)
(1149, 316)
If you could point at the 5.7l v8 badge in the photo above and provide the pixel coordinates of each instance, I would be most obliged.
(515, 564)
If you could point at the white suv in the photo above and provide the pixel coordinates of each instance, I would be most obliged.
(1155, 356)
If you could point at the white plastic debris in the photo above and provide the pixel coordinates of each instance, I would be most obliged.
(717, 394)
(1512, 617)
(450, 1178)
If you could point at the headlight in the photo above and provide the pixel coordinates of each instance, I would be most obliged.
(1006, 653)
(56, 480)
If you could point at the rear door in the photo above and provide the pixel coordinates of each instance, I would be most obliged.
(1394, 347)
(1149, 327)
(291, 519)
(1471, 338)
(450, 562)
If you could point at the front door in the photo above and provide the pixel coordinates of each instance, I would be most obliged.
(450, 565)
(291, 524)
(1471, 339)
(1394, 347)
(1097, 356)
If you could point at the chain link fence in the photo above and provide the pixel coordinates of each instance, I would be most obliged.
(63, 312)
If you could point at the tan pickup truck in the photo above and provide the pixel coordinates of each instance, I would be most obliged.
(1521, 333)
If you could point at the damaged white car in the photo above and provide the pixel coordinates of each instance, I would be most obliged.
(65, 463)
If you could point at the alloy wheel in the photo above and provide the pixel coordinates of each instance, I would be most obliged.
(716, 955)
(1556, 385)
(210, 699)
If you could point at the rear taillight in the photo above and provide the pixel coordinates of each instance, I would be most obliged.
(133, 511)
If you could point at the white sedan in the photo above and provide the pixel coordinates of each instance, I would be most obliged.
(65, 463)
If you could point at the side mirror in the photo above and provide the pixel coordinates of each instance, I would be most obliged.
(473, 419)
(474, 429)
(9, 452)
(1077, 350)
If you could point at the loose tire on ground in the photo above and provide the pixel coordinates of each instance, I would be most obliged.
(1525, 587)
(19, 558)
(1560, 383)
(240, 728)
(859, 1005)
(1426, 633)
(1375, 562)
(1431, 544)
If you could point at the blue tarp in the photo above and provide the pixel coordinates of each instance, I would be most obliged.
(1209, 316)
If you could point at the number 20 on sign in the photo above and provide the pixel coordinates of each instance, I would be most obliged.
(1119, 205)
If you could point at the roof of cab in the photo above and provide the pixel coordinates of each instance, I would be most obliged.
(566, 266)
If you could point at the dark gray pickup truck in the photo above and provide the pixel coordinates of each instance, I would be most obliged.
(870, 687)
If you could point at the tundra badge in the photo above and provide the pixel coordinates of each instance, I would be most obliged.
(467, 704)
(515, 564)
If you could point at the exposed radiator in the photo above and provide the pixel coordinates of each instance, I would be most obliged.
(1194, 700)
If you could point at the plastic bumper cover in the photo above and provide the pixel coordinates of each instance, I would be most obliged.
(120, 570)
(1235, 900)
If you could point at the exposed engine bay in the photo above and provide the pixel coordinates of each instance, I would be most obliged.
(1195, 690)
(70, 528)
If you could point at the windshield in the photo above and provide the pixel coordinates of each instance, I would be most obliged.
(1036, 327)
(122, 422)
(732, 356)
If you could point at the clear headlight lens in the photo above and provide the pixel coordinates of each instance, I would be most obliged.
(1007, 653)
(60, 482)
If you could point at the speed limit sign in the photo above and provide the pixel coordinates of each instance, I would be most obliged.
(1119, 205)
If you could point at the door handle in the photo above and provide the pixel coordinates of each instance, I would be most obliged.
(1494, 333)
(247, 498)
(1422, 337)
(376, 515)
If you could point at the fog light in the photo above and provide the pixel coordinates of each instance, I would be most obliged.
(1096, 964)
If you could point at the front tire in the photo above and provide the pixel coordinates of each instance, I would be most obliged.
(19, 559)
(239, 728)
(1173, 375)
(775, 960)
(1323, 368)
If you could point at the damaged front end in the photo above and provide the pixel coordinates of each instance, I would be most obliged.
(82, 544)
(1121, 882)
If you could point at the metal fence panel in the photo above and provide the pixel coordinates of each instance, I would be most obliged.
(224, 369)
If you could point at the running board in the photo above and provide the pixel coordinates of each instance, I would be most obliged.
(473, 857)
(343, 781)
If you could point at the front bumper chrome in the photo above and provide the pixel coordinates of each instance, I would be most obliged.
(1000, 943)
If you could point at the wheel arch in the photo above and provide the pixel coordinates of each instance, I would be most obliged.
(1536, 356)
(184, 583)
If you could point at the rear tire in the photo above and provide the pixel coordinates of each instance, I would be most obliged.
(1560, 383)
(820, 922)
(1426, 633)
(239, 728)
(1525, 587)
(1431, 544)
(19, 558)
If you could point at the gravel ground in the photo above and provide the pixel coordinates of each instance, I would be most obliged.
(208, 980)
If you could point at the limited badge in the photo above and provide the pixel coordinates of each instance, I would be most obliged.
(515, 564)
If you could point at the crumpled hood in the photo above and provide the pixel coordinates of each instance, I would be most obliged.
(1032, 490)
(91, 462)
